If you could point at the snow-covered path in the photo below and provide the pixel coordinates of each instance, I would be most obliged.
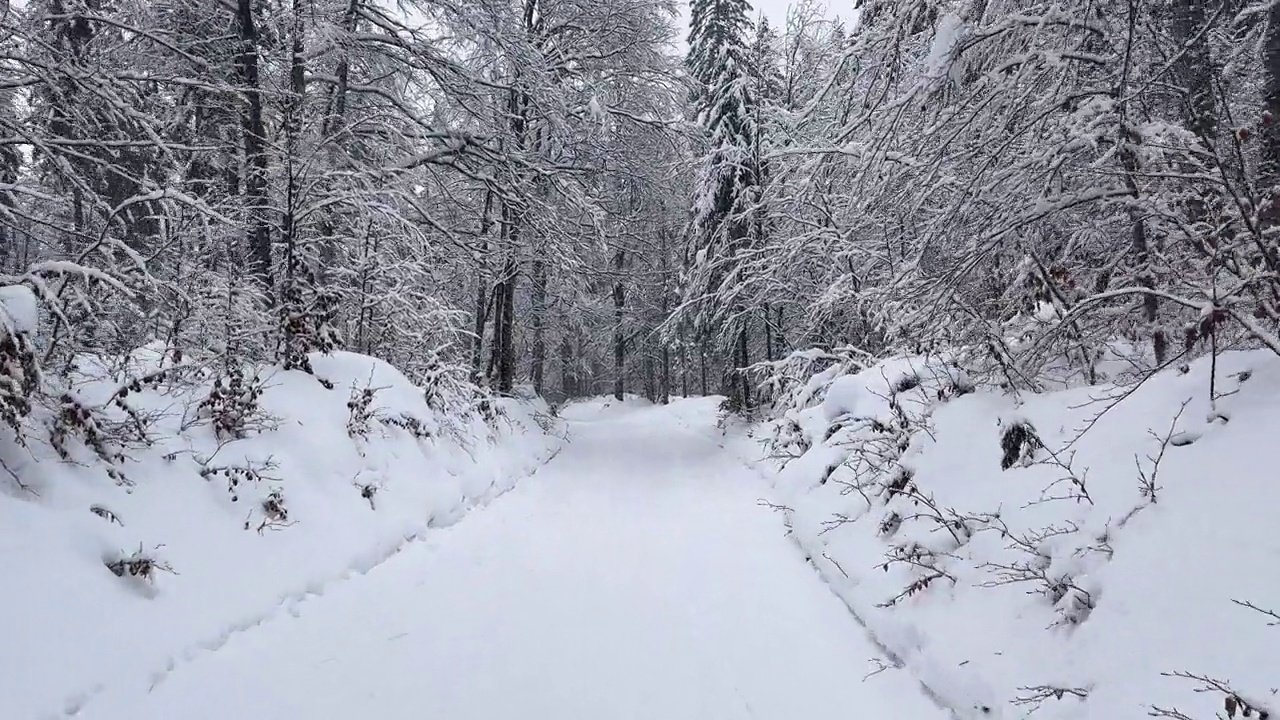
(635, 576)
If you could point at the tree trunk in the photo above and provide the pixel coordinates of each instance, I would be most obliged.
(684, 365)
(702, 359)
(1139, 242)
(504, 327)
(482, 289)
(665, 259)
(255, 154)
(291, 305)
(1270, 165)
(650, 380)
(780, 340)
(10, 163)
(567, 387)
(538, 279)
(332, 130)
(481, 320)
(768, 334)
(364, 319)
(619, 340)
(335, 119)
(1194, 68)
(664, 388)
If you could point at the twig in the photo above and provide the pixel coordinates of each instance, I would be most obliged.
(1036, 695)
(1275, 622)
(17, 480)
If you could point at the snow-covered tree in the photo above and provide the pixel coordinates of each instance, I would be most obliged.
(723, 102)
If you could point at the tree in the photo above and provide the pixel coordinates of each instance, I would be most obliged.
(719, 64)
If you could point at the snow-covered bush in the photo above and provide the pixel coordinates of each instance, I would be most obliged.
(1019, 443)
(139, 565)
(359, 413)
(232, 404)
(1065, 552)
(19, 369)
(258, 498)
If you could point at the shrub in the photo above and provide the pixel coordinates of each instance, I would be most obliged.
(140, 565)
(232, 404)
(1019, 443)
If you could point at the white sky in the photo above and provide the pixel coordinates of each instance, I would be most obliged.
(776, 10)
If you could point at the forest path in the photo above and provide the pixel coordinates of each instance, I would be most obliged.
(635, 576)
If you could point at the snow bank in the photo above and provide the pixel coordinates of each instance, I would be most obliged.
(19, 308)
(1084, 581)
(324, 483)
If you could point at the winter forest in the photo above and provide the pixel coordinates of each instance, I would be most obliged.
(546, 193)
(287, 286)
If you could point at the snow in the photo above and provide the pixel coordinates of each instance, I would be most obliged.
(867, 395)
(877, 561)
(1145, 587)
(18, 304)
(634, 576)
(595, 112)
(950, 32)
(71, 629)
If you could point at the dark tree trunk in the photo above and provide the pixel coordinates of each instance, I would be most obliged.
(291, 305)
(333, 127)
(504, 327)
(538, 278)
(365, 318)
(481, 321)
(702, 360)
(255, 154)
(619, 339)
(684, 365)
(335, 119)
(780, 339)
(650, 380)
(665, 379)
(768, 334)
(10, 162)
(568, 388)
(1139, 243)
(665, 258)
(482, 289)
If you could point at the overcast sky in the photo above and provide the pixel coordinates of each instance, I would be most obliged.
(776, 10)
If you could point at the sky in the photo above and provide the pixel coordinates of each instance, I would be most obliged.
(776, 10)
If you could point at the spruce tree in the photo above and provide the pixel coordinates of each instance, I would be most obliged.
(719, 62)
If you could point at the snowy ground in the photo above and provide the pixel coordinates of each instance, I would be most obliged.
(1105, 573)
(896, 569)
(71, 630)
(635, 576)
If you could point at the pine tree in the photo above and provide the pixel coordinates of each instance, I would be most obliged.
(768, 90)
(719, 62)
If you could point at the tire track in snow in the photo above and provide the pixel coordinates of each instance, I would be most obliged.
(290, 603)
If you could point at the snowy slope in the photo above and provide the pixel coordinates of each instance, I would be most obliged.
(635, 576)
(347, 500)
(1058, 586)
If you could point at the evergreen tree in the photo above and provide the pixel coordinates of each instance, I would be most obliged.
(719, 62)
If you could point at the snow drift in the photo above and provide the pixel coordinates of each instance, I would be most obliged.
(251, 493)
(1097, 552)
